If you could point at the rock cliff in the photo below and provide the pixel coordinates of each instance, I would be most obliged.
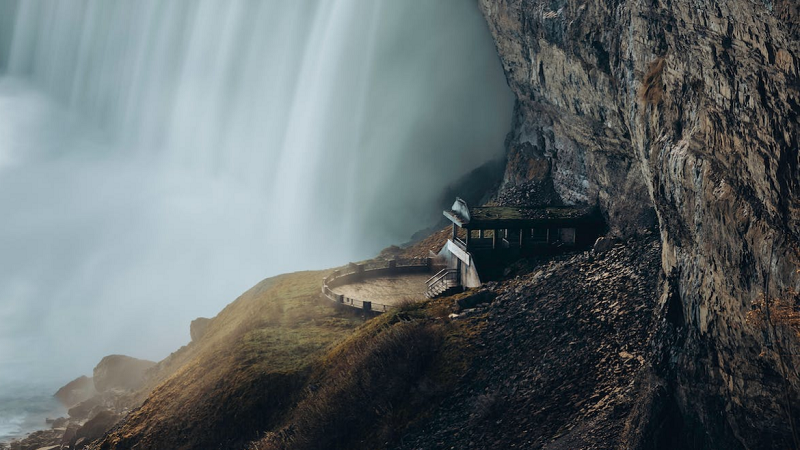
(684, 114)
(121, 372)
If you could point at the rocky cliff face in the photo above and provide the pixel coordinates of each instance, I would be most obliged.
(681, 113)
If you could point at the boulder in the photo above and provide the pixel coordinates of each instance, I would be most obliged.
(82, 410)
(59, 422)
(603, 244)
(198, 328)
(76, 391)
(475, 298)
(94, 428)
(120, 372)
(69, 435)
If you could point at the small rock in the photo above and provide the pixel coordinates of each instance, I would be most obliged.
(603, 244)
(625, 355)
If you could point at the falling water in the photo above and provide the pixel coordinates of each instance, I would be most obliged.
(159, 157)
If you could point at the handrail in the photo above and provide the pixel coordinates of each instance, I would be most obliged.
(442, 273)
(441, 282)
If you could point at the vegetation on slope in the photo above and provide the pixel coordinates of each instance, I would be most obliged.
(558, 355)
(368, 389)
(244, 374)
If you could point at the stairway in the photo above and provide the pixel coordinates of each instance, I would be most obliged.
(445, 282)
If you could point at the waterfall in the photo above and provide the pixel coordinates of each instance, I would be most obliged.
(159, 157)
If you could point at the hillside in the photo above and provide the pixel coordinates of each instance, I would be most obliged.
(243, 374)
(571, 340)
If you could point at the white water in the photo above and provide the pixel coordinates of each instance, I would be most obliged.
(157, 158)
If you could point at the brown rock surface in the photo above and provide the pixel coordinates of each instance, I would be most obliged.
(121, 372)
(94, 429)
(198, 328)
(684, 113)
(562, 357)
(76, 391)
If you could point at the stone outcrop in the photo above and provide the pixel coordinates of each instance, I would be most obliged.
(121, 372)
(76, 391)
(198, 328)
(681, 113)
(95, 404)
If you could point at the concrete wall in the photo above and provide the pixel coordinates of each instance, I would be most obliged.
(469, 273)
(355, 273)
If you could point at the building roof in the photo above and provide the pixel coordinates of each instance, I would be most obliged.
(502, 217)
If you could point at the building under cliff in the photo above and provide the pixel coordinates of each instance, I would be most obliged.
(485, 239)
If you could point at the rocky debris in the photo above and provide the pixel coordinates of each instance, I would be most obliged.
(120, 372)
(558, 353)
(38, 440)
(475, 297)
(76, 391)
(527, 194)
(115, 379)
(603, 244)
(198, 328)
(431, 244)
(88, 421)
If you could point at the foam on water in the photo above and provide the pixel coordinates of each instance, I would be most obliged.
(24, 408)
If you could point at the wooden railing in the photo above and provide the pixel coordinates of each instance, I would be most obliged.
(441, 282)
(354, 273)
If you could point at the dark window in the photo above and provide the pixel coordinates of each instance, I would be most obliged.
(539, 234)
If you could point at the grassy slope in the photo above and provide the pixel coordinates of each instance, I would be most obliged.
(370, 388)
(243, 375)
(552, 362)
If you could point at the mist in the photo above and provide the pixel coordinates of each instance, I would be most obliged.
(158, 158)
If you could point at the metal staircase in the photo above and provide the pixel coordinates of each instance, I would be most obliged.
(445, 282)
